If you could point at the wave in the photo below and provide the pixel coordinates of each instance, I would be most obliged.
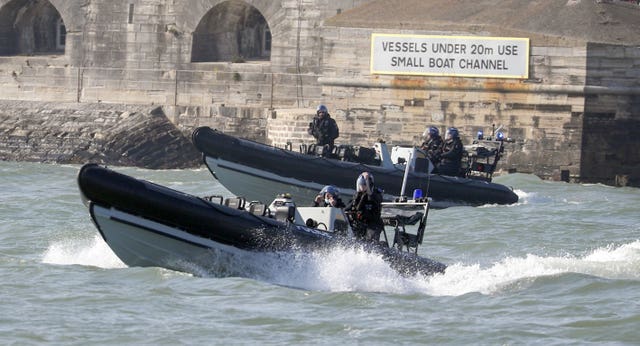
(351, 270)
(611, 262)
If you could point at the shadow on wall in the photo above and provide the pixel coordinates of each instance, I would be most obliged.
(611, 125)
(31, 27)
(232, 31)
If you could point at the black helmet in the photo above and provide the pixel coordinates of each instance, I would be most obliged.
(453, 132)
(432, 131)
(322, 109)
(332, 190)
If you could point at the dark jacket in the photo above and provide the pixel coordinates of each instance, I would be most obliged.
(324, 129)
(451, 157)
(366, 212)
(433, 148)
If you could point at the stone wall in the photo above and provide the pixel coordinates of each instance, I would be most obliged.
(123, 135)
(568, 116)
(93, 100)
(139, 52)
(545, 114)
(289, 126)
(611, 144)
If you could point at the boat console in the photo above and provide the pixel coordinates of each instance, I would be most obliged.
(402, 213)
(480, 159)
(406, 218)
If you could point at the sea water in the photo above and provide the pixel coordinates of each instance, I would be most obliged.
(560, 267)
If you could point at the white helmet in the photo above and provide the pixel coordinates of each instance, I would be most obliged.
(365, 183)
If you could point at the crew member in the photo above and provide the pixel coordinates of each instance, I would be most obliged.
(450, 159)
(365, 209)
(323, 128)
(432, 145)
(329, 196)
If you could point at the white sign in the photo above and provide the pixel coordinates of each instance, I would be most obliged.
(460, 56)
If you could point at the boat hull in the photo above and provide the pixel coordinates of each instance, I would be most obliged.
(248, 168)
(139, 242)
(242, 180)
(150, 225)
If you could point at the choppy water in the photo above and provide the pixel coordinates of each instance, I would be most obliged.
(561, 267)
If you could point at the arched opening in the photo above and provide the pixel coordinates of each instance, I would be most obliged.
(232, 31)
(29, 27)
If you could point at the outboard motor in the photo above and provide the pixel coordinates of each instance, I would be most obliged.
(283, 208)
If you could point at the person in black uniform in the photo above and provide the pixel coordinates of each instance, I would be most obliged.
(323, 128)
(450, 159)
(329, 196)
(432, 145)
(366, 208)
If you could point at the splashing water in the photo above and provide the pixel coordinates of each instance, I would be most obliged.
(609, 263)
(95, 253)
(347, 269)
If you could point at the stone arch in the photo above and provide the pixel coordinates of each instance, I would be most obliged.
(29, 27)
(232, 30)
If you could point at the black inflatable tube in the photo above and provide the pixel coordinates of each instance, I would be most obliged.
(341, 173)
(219, 223)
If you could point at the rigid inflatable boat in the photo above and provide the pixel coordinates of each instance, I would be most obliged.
(248, 168)
(146, 224)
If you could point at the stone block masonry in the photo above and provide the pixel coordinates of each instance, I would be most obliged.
(257, 69)
(567, 116)
(119, 135)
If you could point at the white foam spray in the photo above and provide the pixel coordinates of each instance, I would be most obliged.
(356, 270)
(349, 270)
(93, 252)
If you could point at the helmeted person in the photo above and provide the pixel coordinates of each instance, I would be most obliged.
(323, 127)
(432, 145)
(366, 208)
(329, 196)
(452, 148)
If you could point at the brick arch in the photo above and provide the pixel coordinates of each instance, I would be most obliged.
(17, 39)
(233, 30)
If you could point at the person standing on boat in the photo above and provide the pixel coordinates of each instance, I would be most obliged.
(450, 159)
(323, 128)
(365, 209)
(432, 145)
(329, 196)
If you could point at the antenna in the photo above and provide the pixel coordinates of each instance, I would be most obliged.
(406, 175)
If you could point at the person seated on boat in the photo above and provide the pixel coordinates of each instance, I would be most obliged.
(450, 159)
(324, 128)
(329, 196)
(432, 145)
(365, 209)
